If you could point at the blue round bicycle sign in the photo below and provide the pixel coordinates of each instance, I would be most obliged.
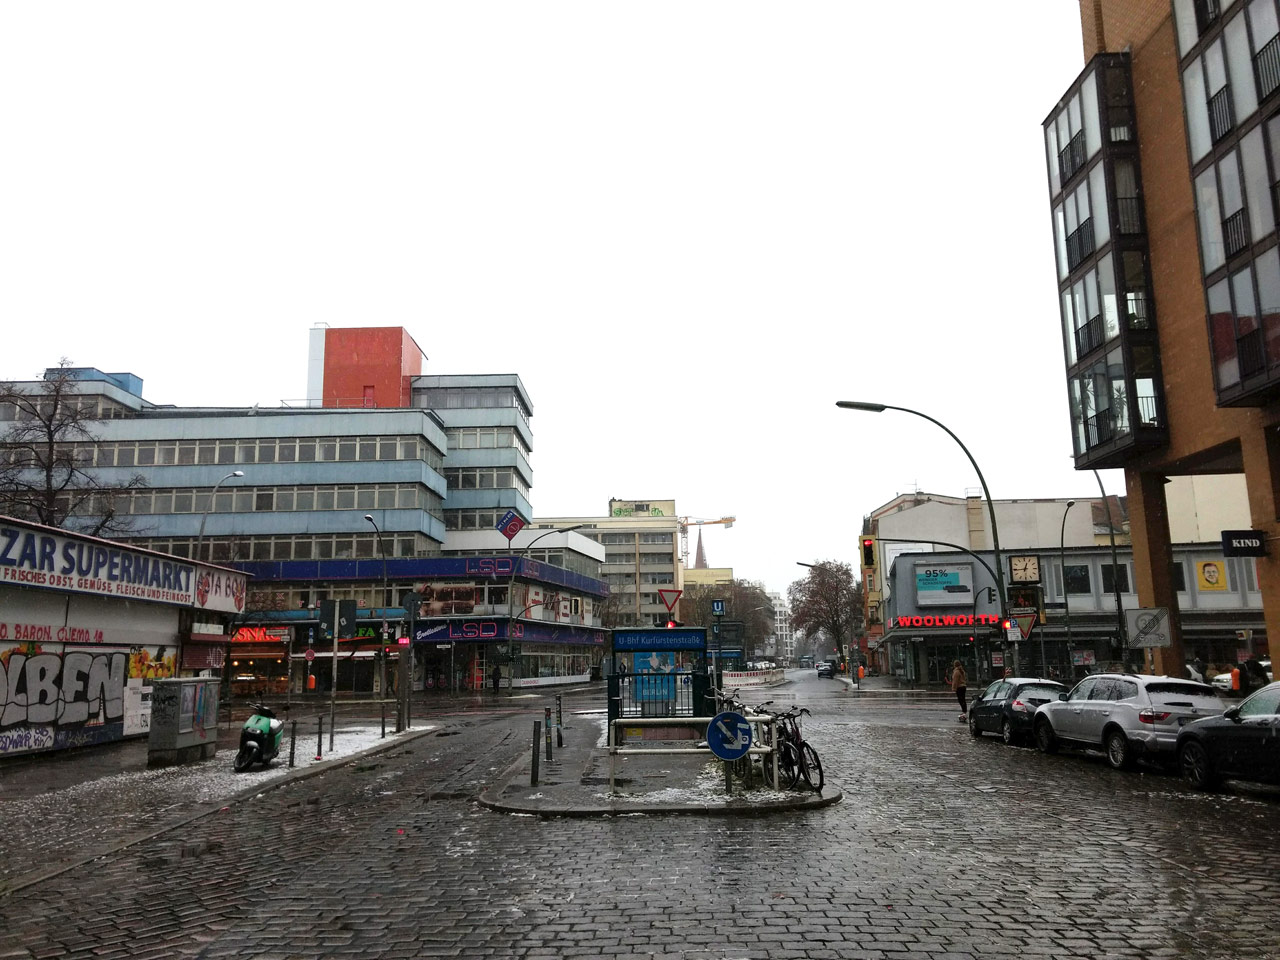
(729, 735)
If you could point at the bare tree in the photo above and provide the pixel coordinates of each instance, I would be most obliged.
(744, 601)
(828, 601)
(47, 472)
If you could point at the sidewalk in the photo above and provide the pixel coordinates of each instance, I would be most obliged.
(575, 782)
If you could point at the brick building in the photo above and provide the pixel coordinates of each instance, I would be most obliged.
(1163, 159)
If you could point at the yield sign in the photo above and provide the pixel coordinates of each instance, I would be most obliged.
(669, 598)
(1025, 622)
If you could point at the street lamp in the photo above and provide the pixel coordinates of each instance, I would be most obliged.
(205, 516)
(382, 660)
(991, 509)
(1119, 645)
(1066, 603)
(511, 585)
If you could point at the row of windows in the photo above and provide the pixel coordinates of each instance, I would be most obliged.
(1212, 576)
(317, 546)
(484, 438)
(616, 538)
(1105, 399)
(1244, 321)
(1082, 221)
(1093, 306)
(484, 478)
(646, 559)
(1235, 197)
(145, 453)
(383, 496)
(470, 398)
(93, 407)
(1222, 86)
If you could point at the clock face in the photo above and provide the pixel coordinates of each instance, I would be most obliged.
(1025, 569)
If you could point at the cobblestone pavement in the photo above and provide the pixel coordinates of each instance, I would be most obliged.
(944, 847)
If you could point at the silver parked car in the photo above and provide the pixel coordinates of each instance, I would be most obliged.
(1124, 715)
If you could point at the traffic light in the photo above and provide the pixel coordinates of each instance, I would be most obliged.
(671, 624)
(868, 551)
(991, 594)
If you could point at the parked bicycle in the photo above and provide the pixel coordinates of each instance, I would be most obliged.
(797, 759)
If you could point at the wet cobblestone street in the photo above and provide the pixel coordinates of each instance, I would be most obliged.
(944, 847)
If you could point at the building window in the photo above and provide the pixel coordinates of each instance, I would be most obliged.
(1077, 578)
(1108, 583)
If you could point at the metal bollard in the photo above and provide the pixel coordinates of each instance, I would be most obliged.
(320, 739)
(546, 712)
(293, 740)
(533, 770)
(384, 719)
(559, 725)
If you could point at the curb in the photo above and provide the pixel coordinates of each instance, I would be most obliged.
(730, 809)
(23, 881)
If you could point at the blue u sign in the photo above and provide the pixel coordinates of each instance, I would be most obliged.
(717, 608)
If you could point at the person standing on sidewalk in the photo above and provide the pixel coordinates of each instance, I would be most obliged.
(960, 684)
(496, 677)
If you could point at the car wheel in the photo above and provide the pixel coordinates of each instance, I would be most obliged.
(1006, 733)
(973, 726)
(1045, 739)
(1119, 750)
(1196, 768)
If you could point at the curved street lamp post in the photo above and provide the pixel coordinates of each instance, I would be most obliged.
(991, 509)
(1066, 600)
(402, 698)
(205, 515)
(511, 590)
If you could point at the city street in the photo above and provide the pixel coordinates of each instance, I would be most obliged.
(944, 847)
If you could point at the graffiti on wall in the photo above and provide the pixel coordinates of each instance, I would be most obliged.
(50, 699)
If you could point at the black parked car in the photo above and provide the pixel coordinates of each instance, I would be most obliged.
(1243, 743)
(1008, 706)
(826, 668)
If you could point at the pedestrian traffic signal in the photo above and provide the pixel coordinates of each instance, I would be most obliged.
(868, 551)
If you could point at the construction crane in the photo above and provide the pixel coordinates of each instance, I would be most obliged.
(686, 522)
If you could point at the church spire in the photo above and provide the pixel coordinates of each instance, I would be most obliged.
(700, 558)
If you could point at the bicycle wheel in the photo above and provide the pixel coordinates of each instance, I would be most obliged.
(788, 765)
(811, 767)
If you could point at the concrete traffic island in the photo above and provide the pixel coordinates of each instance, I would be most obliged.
(575, 783)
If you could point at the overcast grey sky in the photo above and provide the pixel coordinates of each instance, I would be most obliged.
(689, 227)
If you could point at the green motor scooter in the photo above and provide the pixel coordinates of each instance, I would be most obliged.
(259, 738)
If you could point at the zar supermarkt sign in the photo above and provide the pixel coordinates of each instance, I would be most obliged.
(34, 556)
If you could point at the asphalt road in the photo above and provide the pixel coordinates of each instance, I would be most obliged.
(944, 847)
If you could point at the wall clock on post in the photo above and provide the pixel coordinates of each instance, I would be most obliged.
(1024, 569)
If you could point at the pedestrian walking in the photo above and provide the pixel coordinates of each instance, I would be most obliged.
(960, 684)
(496, 677)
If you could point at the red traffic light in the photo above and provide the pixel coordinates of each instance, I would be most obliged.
(1006, 624)
(671, 624)
(868, 552)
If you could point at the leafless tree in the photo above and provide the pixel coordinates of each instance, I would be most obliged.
(744, 601)
(47, 472)
(827, 602)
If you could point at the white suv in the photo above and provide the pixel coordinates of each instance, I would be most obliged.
(1125, 715)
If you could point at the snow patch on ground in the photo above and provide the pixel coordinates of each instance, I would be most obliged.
(706, 790)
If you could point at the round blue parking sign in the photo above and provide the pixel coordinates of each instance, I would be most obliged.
(729, 735)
